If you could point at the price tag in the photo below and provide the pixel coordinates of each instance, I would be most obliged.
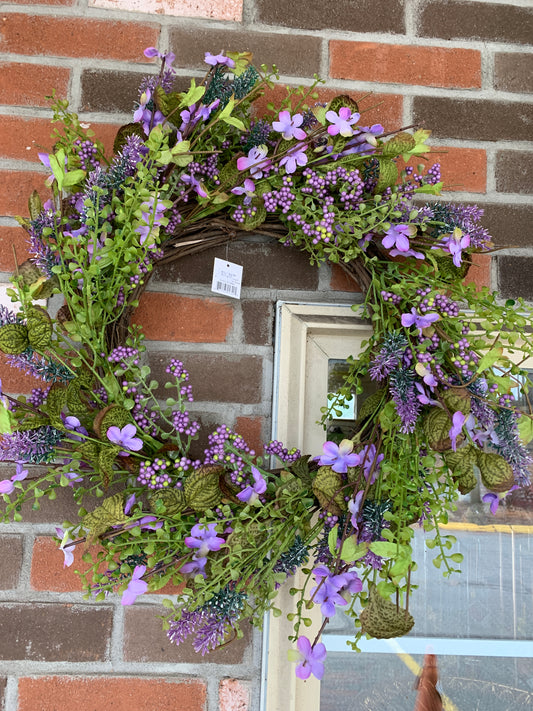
(227, 278)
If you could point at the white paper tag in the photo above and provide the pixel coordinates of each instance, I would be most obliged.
(227, 278)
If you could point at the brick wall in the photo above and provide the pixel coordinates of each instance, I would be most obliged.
(461, 67)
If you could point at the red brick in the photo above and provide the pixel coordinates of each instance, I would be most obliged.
(14, 381)
(479, 272)
(106, 133)
(374, 108)
(340, 281)
(11, 557)
(47, 632)
(43, 2)
(29, 84)
(76, 37)
(250, 428)
(17, 187)
(386, 109)
(13, 237)
(169, 317)
(215, 377)
(257, 322)
(404, 64)
(463, 169)
(117, 693)
(146, 641)
(47, 571)
(209, 9)
(23, 138)
(474, 119)
(382, 16)
(233, 695)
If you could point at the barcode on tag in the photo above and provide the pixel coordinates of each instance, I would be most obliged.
(227, 278)
(228, 289)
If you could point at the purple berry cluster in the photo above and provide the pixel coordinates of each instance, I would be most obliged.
(124, 356)
(276, 449)
(154, 475)
(216, 452)
(87, 153)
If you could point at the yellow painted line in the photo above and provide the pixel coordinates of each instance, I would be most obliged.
(488, 528)
(416, 669)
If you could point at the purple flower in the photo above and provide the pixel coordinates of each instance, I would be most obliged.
(493, 500)
(342, 122)
(72, 423)
(423, 398)
(458, 421)
(125, 437)
(73, 478)
(7, 486)
(129, 504)
(352, 583)
(144, 115)
(354, 505)
(420, 321)
(152, 215)
(326, 592)
(397, 236)
(251, 493)
(455, 244)
(214, 59)
(20, 473)
(247, 189)
(256, 161)
(367, 456)
(296, 156)
(136, 586)
(196, 566)
(311, 659)
(289, 126)
(191, 180)
(204, 537)
(67, 552)
(339, 456)
(168, 58)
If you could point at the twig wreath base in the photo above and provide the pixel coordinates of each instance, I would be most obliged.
(195, 170)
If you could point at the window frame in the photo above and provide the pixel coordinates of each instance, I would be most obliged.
(308, 335)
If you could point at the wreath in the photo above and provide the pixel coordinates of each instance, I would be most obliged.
(196, 169)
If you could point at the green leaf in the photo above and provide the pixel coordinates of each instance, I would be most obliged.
(351, 551)
(180, 154)
(525, 428)
(401, 566)
(194, 94)
(332, 540)
(234, 122)
(57, 166)
(226, 111)
(488, 360)
(73, 177)
(457, 557)
(384, 549)
(5, 418)
(430, 189)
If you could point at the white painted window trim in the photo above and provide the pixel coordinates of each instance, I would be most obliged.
(307, 337)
